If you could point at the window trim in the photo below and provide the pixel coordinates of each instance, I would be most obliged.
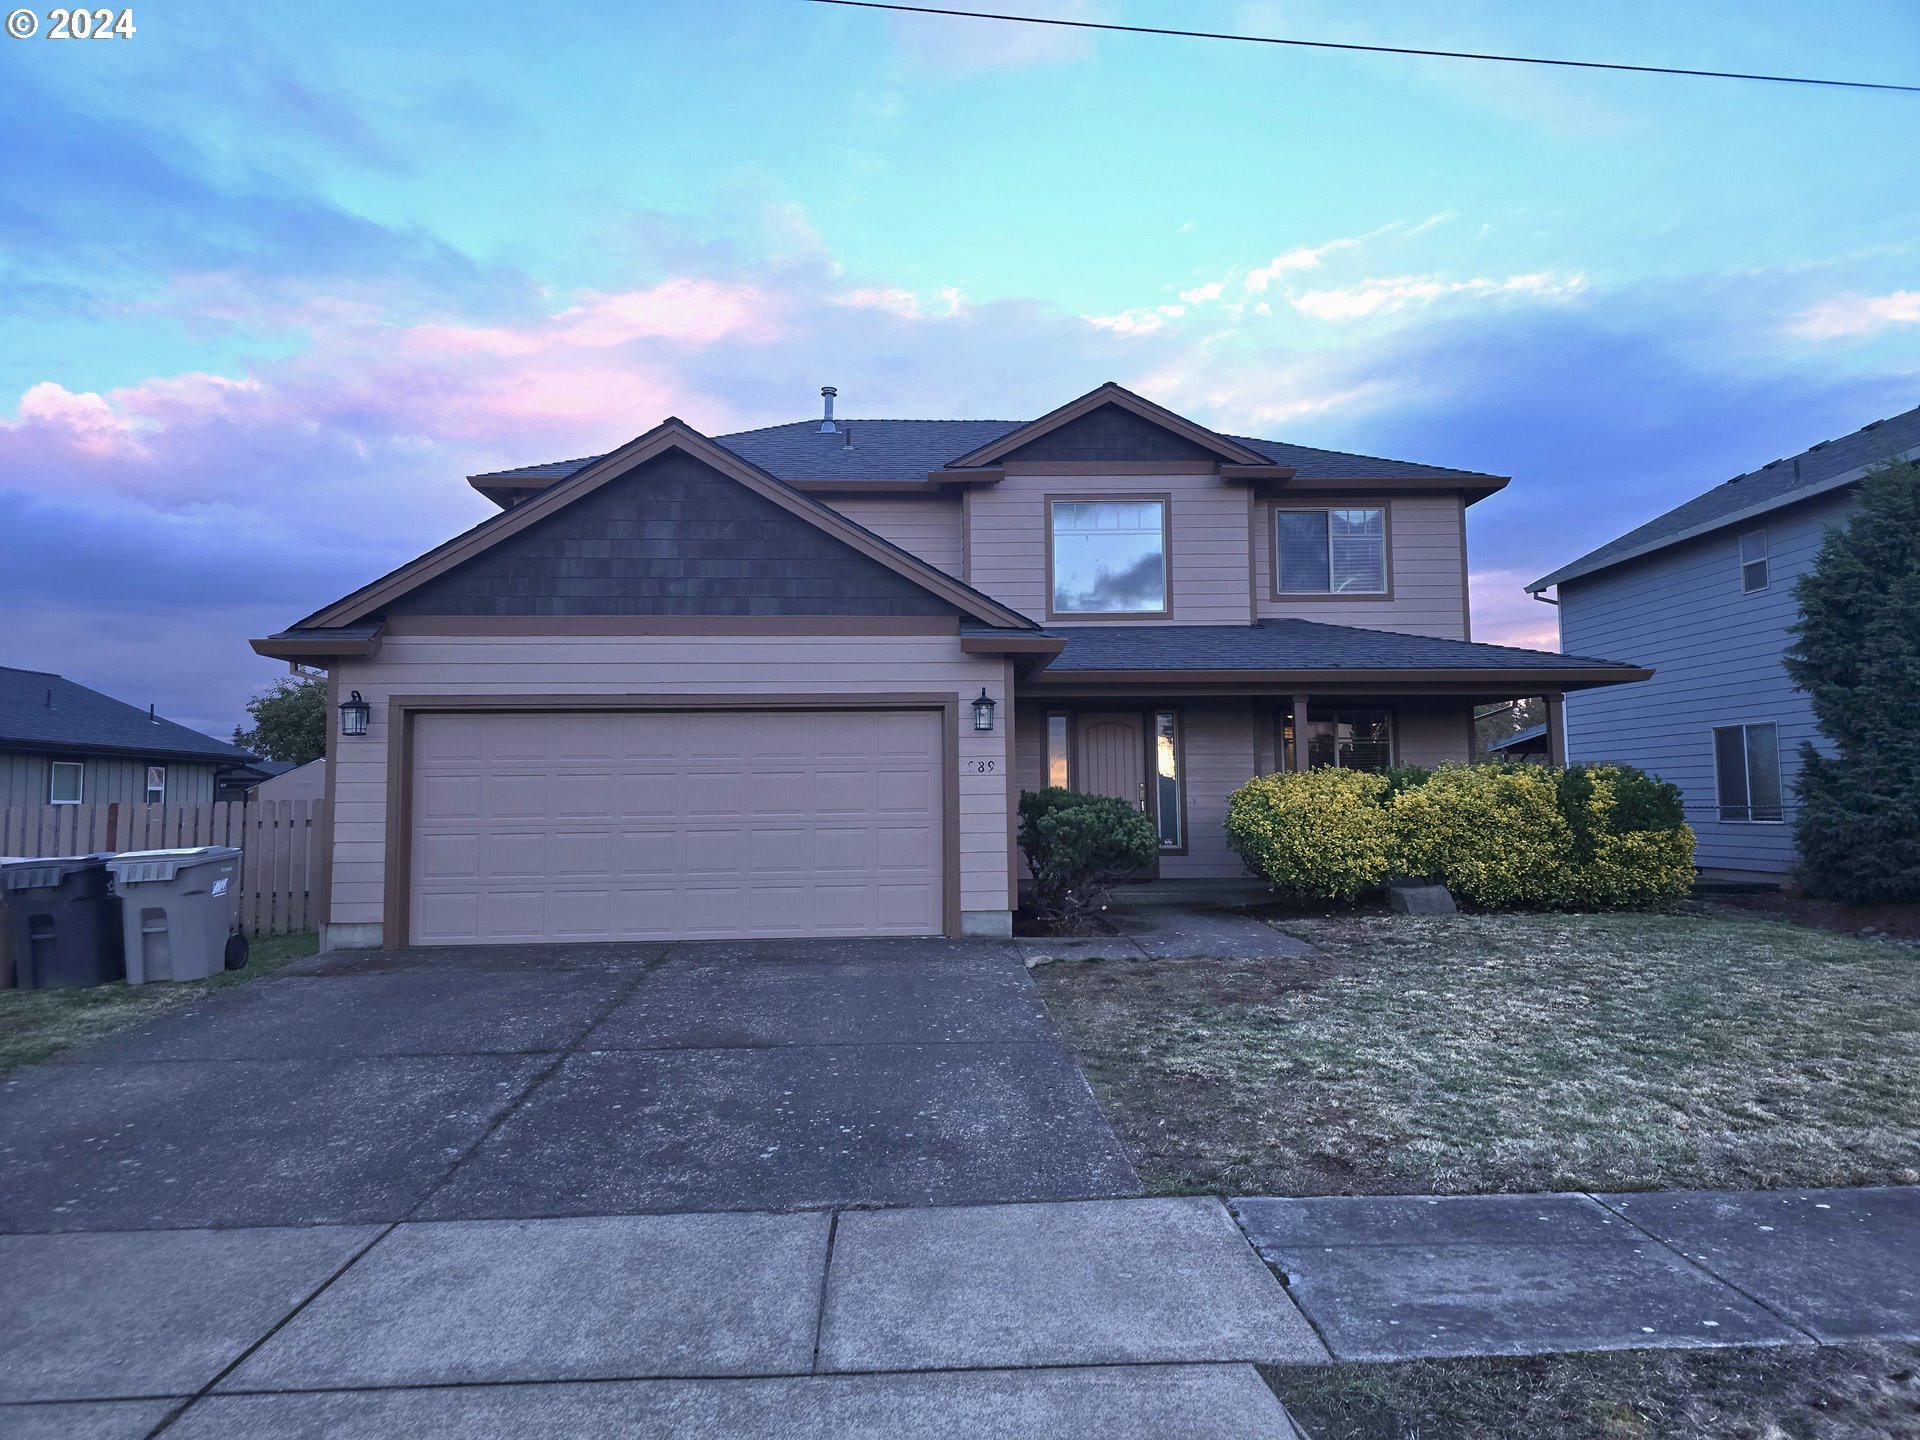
(1066, 717)
(1765, 561)
(1165, 501)
(80, 790)
(1746, 761)
(150, 787)
(1289, 597)
(1291, 747)
(1152, 717)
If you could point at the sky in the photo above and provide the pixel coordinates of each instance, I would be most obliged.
(275, 279)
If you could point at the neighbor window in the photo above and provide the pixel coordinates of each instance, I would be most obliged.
(1753, 561)
(1350, 739)
(156, 784)
(1746, 763)
(1109, 557)
(65, 786)
(1057, 751)
(1330, 552)
(1166, 779)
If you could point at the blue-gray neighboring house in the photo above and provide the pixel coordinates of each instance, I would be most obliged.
(1704, 595)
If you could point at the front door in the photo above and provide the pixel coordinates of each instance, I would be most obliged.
(1113, 761)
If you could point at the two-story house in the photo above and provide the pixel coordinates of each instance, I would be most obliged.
(1704, 594)
(792, 681)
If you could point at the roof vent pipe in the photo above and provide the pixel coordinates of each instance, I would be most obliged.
(827, 427)
(152, 719)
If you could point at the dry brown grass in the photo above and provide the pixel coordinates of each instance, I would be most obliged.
(1844, 1393)
(1510, 1052)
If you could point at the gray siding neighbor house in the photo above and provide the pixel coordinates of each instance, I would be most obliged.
(63, 744)
(1704, 595)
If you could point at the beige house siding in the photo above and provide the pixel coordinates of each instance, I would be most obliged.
(1218, 748)
(924, 525)
(106, 780)
(1427, 558)
(1006, 531)
(731, 665)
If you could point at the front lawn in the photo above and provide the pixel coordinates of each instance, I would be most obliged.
(1830, 1393)
(1478, 1053)
(35, 1024)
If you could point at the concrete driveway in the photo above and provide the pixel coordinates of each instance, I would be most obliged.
(511, 1082)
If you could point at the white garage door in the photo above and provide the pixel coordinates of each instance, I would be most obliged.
(646, 825)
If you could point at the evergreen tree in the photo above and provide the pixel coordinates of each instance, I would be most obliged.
(1856, 653)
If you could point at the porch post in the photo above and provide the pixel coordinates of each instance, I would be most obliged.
(1556, 730)
(1298, 760)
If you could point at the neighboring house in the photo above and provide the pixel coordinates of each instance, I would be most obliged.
(792, 681)
(1704, 594)
(1532, 743)
(63, 744)
(239, 784)
(294, 782)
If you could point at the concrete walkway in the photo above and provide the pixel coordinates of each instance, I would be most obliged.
(1400, 1277)
(1129, 1318)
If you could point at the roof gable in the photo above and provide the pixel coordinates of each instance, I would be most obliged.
(1109, 431)
(692, 523)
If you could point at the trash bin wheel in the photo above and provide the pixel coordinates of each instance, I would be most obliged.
(236, 952)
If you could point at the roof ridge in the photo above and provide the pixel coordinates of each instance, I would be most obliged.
(50, 674)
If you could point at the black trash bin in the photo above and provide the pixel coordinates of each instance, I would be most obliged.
(62, 922)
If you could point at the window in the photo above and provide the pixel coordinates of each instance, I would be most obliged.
(66, 783)
(1330, 552)
(156, 784)
(1057, 751)
(1166, 779)
(1746, 765)
(1109, 557)
(1351, 739)
(1753, 561)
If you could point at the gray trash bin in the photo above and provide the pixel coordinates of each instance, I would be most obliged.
(179, 908)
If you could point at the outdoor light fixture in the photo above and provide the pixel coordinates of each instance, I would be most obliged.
(983, 711)
(354, 715)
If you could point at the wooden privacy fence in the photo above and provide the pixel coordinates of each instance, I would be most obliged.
(279, 875)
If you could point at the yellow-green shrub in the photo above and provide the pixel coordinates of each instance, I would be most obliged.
(1322, 835)
(1630, 846)
(1493, 834)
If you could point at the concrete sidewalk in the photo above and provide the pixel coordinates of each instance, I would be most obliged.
(1401, 1277)
(1132, 1318)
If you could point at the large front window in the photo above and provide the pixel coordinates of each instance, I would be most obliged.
(1746, 764)
(1330, 552)
(1109, 557)
(1350, 739)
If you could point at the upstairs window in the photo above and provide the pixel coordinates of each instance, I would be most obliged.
(1330, 552)
(1753, 561)
(66, 782)
(1109, 557)
(1746, 765)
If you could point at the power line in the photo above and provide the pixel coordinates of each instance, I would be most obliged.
(1371, 49)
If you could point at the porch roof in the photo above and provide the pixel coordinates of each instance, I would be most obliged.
(1309, 651)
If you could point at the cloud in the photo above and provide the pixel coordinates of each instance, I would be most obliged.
(1304, 258)
(1847, 317)
(1374, 297)
(1200, 294)
(961, 46)
(1504, 614)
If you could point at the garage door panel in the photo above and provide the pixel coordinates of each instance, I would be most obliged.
(652, 825)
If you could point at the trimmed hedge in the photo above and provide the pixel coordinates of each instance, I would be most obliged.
(1498, 834)
(1076, 846)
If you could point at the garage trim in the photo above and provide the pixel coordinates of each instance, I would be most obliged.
(402, 709)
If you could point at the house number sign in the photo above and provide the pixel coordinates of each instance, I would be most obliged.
(979, 767)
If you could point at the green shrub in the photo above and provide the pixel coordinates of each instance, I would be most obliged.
(1322, 835)
(1076, 847)
(1492, 834)
(1630, 843)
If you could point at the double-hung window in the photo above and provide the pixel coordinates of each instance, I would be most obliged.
(1753, 561)
(1330, 552)
(156, 784)
(66, 782)
(1109, 557)
(1746, 766)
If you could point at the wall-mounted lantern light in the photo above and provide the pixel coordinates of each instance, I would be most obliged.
(354, 715)
(983, 711)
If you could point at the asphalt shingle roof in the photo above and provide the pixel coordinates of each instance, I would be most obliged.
(1293, 645)
(908, 449)
(86, 719)
(1778, 483)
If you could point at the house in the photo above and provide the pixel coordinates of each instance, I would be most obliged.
(792, 681)
(63, 744)
(239, 784)
(1532, 743)
(300, 783)
(1704, 594)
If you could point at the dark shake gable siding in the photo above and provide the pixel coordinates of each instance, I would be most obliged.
(674, 537)
(1112, 433)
